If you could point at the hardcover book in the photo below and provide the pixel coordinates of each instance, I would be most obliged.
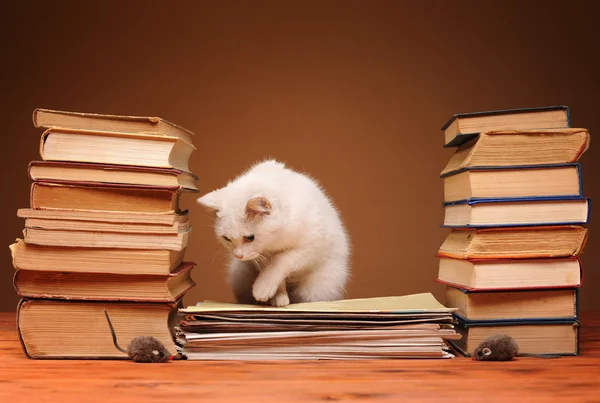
(94, 260)
(100, 239)
(116, 148)
(54, 329)
(463, 127)
(103, 226)
(94, 174)
(75, 286)
(104, 216)
(104, 197)
(46, 118)
(515, 242)
(485, 305)
(515, 212)
(520, 148)
(543, 337)
(480, 183)
(510, 274)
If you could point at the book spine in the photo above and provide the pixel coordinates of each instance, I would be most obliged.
(22, 302)
(577, 337)
(29, 166)
(16, 282)
(34, 118)
(576, 303)
(582, 149)
(579, 179)
(568, 115)
(43, 138)
(32, 195)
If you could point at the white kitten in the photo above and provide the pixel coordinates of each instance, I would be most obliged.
(286, 237)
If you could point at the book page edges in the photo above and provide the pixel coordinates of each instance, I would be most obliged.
(141, 136)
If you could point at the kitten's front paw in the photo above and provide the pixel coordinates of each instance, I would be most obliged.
(280, 300)
(264, 290)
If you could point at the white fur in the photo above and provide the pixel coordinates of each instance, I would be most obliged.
(300, 251)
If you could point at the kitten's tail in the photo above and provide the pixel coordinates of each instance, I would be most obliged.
(114, 335)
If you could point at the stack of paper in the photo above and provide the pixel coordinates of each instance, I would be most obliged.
(412, 326)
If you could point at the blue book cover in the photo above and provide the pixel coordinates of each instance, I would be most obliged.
(519, 167)
(520, 200)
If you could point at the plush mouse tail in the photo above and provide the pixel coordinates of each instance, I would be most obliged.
(114, 335)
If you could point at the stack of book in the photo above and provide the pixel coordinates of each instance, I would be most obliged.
(514, 202)
(411, 326)
(103, 231)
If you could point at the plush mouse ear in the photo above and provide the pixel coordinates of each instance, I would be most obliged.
(212, 200)
(257, 207)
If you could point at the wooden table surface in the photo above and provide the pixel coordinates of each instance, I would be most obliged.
(566, 379)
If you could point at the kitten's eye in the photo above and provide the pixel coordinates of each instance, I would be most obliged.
(227, 239)
(249, 238)
(480, 353)
(487, 351)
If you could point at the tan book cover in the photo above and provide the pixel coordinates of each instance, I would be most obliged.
(45, 118)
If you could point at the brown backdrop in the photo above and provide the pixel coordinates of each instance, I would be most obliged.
(355, 92)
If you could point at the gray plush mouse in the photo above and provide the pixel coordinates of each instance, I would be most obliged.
(143, 348)
(496, 348)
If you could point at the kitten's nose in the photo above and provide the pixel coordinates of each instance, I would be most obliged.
(238, 254)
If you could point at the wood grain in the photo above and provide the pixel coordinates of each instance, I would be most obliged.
(566, 379)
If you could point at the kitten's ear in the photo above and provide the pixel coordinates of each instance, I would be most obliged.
(258, 206)
(211, 200)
